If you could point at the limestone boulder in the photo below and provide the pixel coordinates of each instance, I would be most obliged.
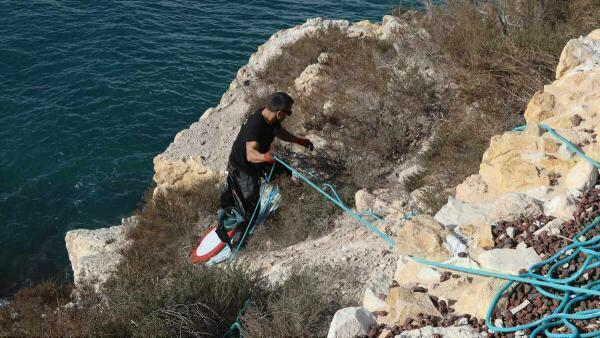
(409, 273)
(510, 164)
(472, 190)
(582, 177)
(514, 206)
(540, 108)
(595, 35)
(459, 292)
(351, 322)
(95, 254)
(373, 302)
(183, 173)
(456, 212)
(509, 261)
(377, 288)
(561, 206)
(405, 303)
(478, 234)
(446, 332)
(381, 201)
(423, 237)
(578, 53)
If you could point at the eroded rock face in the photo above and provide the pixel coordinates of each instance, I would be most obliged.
(95, 254)
(204, 147)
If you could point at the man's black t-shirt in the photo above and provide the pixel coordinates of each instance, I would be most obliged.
(254, 129)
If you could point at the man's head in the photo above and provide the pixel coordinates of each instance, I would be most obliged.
(280, 104)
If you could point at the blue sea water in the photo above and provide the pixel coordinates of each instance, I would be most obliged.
(91, 91)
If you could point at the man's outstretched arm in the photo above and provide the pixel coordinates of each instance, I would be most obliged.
(255, 156)
(286, 136)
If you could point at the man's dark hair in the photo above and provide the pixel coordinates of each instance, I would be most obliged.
(280, 101)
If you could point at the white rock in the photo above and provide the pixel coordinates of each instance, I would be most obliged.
(430, 275)
(456, 212)
(455, 246)
(446, 332)
(350, 322)
(521, 246)
(582, 177)
(510, 232)
(553, 227)
(565, 153)
(95, 254)
(372, 303)
(465, 262)
(509, 261)
(561, 207)
(514, 206)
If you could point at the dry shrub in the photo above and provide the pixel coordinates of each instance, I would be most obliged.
(300, 307)
(192, 302)
(374, 104)
(36, 311)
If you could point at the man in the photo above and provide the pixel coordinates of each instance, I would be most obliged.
(251, 157)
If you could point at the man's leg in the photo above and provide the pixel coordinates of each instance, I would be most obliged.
(249, 187)
(225, 201)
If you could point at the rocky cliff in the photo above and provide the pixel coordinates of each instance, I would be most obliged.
(529, 193)
(306, 61)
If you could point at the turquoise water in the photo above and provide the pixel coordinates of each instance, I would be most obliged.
(91, 91)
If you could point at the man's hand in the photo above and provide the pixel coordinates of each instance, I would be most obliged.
(269, 157)
(305, 143)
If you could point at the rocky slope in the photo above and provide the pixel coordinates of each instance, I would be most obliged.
(503, 219)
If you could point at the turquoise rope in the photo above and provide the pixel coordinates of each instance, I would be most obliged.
(335, 198)
(236, 325)
(571, 295)
(250, 225)
(566, 142)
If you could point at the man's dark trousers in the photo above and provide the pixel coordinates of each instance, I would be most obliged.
(247, 189)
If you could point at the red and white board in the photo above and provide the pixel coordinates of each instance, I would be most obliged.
(208, 246)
